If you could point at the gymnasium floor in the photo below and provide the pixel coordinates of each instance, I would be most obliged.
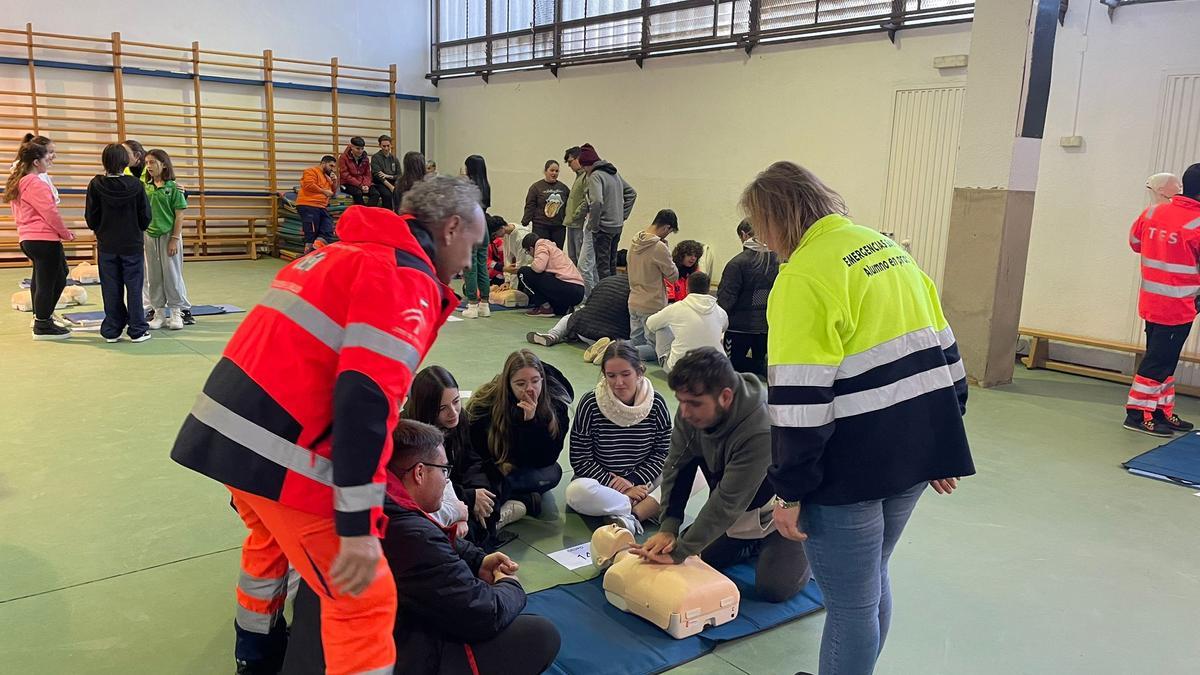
(115, 560)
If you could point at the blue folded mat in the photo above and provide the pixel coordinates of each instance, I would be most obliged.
(1176, 462)
(197, 310)
(599, 639)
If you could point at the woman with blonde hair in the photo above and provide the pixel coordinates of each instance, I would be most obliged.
(867, 393)
(41, 232)
(518, 423)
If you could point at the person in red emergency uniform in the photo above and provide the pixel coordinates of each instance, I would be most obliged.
(296, 419)
(1168, 238)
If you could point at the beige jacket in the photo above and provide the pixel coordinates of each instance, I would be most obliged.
(649, 266)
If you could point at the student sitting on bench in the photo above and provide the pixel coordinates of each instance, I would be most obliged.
(722, 430)
(459, 611)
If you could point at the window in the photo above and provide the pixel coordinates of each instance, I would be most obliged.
(480, 37)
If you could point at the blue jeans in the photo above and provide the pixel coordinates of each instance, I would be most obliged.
(121, 280)
(848, 547)
(316, 222)
(643, 341)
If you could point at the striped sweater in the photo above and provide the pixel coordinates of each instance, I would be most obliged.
(600, 447)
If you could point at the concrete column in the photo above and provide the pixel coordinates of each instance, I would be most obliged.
(995, 179)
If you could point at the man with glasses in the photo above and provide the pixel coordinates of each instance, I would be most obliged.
(456, 607)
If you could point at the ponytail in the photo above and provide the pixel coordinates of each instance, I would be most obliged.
(29, 152)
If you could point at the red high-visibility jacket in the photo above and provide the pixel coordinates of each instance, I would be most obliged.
(301, 407)
(1168, 237)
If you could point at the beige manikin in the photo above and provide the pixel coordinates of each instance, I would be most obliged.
(680, 599)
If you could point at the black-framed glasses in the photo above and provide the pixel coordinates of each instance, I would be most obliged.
(444, 467)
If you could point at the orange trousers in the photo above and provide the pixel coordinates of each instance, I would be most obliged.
(356, 631)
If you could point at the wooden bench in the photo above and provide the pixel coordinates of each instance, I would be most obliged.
(83, 248)
(1039, 357)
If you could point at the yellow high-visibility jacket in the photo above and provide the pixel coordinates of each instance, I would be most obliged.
(866, 387)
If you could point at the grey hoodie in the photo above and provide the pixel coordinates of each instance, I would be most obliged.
(734, 457)
(649, 265)
(610, 199)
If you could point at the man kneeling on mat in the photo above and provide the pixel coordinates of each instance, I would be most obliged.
(458, 611)
(722, 429)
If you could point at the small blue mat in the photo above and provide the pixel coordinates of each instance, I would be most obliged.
(197, 310)
(1176, 462)
(599, 639)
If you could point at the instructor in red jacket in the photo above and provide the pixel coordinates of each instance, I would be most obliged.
(1168, 238)
(296, 419)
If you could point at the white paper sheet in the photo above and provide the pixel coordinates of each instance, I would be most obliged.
(573, 558)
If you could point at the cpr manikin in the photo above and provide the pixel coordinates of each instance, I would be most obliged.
(22, 301)
(680, 599)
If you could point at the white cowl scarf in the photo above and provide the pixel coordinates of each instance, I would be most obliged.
(625, 415)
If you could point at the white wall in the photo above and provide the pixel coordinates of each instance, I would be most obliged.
(1081, 277)
(689, 132)
(361, 33)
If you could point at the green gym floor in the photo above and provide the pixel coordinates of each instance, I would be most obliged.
(116, 560)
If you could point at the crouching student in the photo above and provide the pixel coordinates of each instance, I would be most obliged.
(458, 610)
(551, 280)
(722, 430)
(619, 442)
(693, 322)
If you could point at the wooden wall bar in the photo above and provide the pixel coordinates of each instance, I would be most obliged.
(239, 127)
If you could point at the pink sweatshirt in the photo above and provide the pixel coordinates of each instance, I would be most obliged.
(547, 257)
(36, 214)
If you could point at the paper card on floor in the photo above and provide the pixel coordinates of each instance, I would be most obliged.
(573, 558)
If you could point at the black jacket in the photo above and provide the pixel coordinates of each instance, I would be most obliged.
(532, 446)
(606, 313)
(745, 285)
(441, 603)
(118, 211)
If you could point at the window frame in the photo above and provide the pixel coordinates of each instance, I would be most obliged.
(899, 18)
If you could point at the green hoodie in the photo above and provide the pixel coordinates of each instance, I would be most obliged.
(577, 202)
(734, 457)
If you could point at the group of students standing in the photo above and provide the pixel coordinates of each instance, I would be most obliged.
(135, 209)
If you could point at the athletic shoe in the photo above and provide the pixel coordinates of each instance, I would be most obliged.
(141, 338)
(510, 512)
(1151, 427)
(160, 318)
(533, 503)
(114, 340)
(627, 521)
(471, 312)
(544, 310)
(55, 319)
(1174, 422)
(543, 339)
(150, 314)
(188, 319)
(46, 330)
(485, 309)
(593, 353)
(308, 248)
(320, 243)
(175, 322)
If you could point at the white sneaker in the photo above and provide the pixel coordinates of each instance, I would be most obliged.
(485, 309)
(175, 321)
(160, 317)
(471, 312)
(510, 512)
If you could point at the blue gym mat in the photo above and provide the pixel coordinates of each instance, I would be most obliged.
(1176, 462)
(28, 283)
(599, 639)
(197, 310)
